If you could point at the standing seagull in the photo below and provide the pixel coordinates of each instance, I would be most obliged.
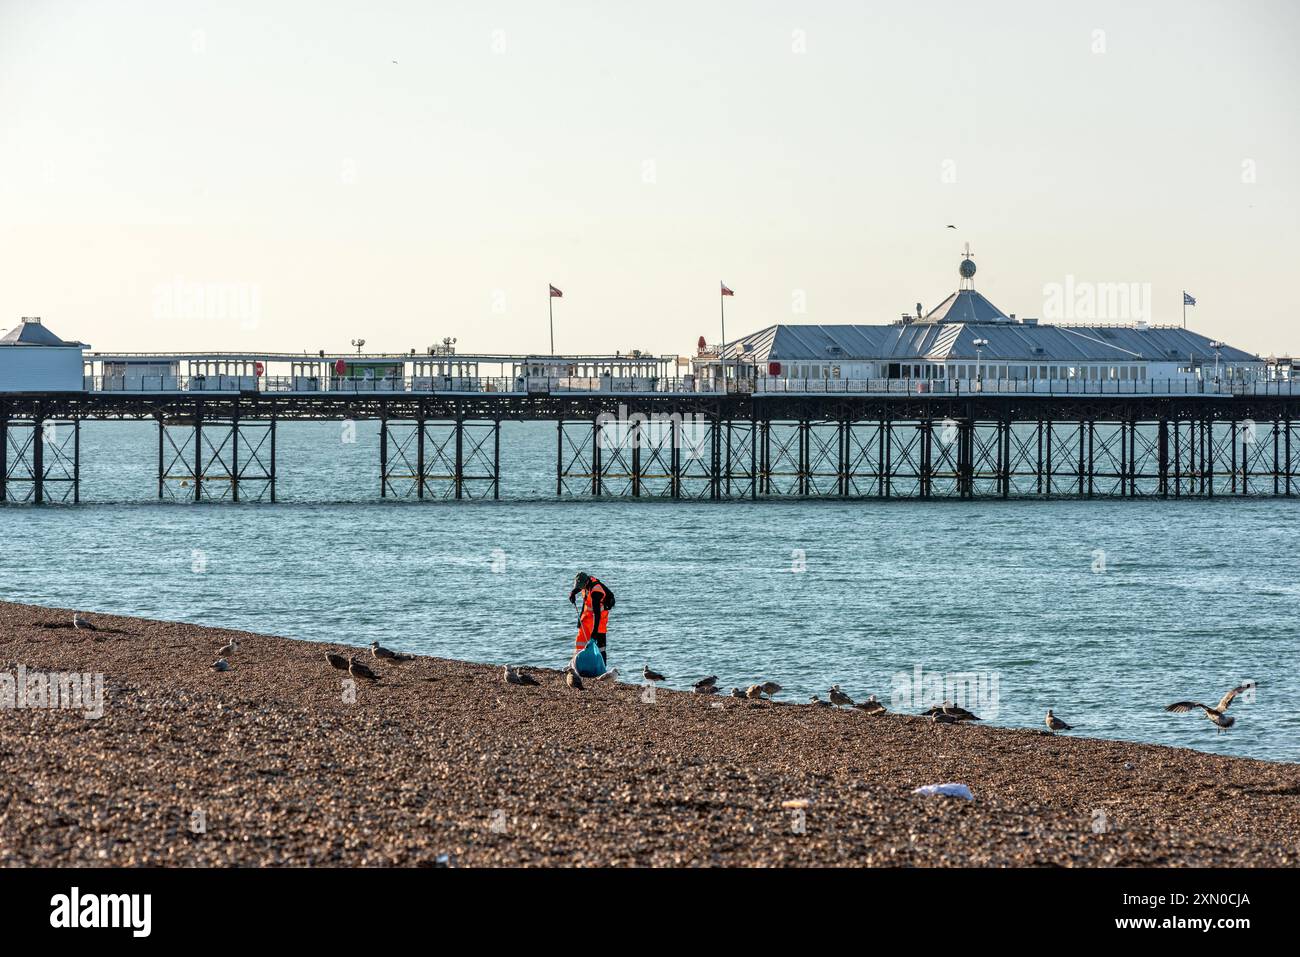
(610, 675)
(707, 689)
(82, 623)
(1054, 723)
(515, 677)
(703, 683)
(572, 679)
(770, 688)
(229, 648)
(380, 652)
(338, 661)
(754, 692)
(838, 697)
(651, 675)
(357, 670)
(1215, 714)
(736, 693)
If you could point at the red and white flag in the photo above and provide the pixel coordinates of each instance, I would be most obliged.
(556, 294)
(726, 291)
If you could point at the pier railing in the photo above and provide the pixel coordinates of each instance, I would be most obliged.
(526, 385)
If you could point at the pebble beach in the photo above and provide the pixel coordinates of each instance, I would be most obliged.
(282, 760)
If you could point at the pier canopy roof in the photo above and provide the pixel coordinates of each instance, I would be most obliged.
(966, 305)
(1015, 340)
(30, 332)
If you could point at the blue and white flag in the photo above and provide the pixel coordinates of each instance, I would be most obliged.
(1188, 300)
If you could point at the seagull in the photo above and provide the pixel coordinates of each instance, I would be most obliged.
(80, 622)
(707, 689)
(610, 675)
(708, 682)
(814, 700)
(754, 692)
(950, 225)
(229, 648)
(221, 664)
(871, 706)
(651, 675)
(1215, 714)
(515, 677)
(357, 670)
(338, 661)
(770, 688)
(1054, 723)
(572, 679)
(736, 693)
(942, 717)
(380, 652)
(951, 710)
(838, 697)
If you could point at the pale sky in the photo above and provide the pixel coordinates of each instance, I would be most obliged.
(635, 154)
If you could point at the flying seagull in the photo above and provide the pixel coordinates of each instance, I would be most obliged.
(380, 652)
(1054, 723)
(838, 697)
(81, 622)
(572, 679)
(950, 225)
(357, 670)
(1215, 714)
(338, 661)
(651, 675)
(221, 664)
(708, 682)
(229, 648)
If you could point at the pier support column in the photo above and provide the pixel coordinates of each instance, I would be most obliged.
(1162, 438)
(419, 458)
(4, 453)
(38, 461)
(383, 457)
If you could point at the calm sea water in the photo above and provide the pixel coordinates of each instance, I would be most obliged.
(1194, 596)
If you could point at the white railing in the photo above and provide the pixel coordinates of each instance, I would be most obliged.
(534, 385)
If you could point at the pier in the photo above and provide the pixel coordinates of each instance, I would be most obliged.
(893, 439)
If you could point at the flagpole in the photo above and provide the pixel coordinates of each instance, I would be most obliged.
(1184, 308)
(722, 349)
(550, 311)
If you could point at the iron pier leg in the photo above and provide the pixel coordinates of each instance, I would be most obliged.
(1178, 459)
(198, 453)
(1287, 448)
(77, 460)
(559, 458)
(1162, 438)
(496, 460)
(234, 459)
(38, 460)
(726, 472)
(1232, 438)
(924, 428)
(753, 457)
(1049, 458)
(1276, 475)
(675, 458)
(162, 468)
(1004, 457)
(844, 458)
(383, 457)
(886, 456)
(460, 457)
(1090, 434)
(419, 457)
(4, 453)
(1040, 456)
(715, 458)
(636, 457)
(272, 470)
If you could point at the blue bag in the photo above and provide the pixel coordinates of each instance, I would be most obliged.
(589, 662)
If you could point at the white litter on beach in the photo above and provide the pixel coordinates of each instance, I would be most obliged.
(946, 790)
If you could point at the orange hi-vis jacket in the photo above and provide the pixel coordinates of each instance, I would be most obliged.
(593, 623)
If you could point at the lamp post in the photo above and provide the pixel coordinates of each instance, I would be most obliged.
(1216, 346)
(979, 345)
(358, 343)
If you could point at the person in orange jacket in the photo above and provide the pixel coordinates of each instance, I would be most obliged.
(597, 601)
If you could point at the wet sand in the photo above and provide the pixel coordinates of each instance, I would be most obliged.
(267, 763)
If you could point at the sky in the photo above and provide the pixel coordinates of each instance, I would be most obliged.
(264, 177)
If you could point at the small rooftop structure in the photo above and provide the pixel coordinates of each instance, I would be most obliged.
(34, 359)
(30, 332)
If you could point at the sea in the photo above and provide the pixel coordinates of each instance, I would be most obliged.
(1103, 610)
